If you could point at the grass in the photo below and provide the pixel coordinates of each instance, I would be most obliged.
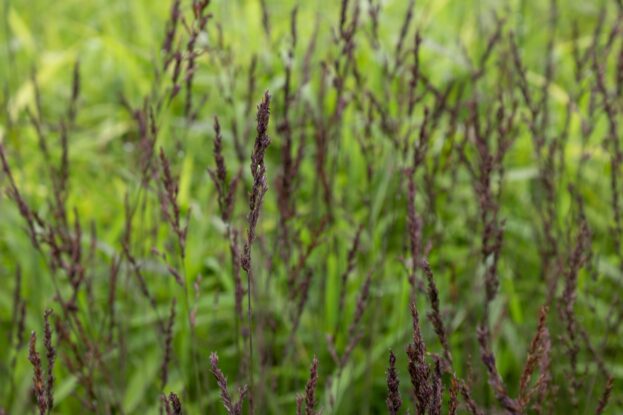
(311, 207)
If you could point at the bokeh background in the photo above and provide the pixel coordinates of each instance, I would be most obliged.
(118, 47)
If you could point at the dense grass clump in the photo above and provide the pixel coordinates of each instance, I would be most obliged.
(351, 207)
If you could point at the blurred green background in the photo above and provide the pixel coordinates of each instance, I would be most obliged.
(117, 44)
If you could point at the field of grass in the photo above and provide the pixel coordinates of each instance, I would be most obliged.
(341, 207)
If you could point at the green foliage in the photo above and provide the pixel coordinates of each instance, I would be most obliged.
(118, 45)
